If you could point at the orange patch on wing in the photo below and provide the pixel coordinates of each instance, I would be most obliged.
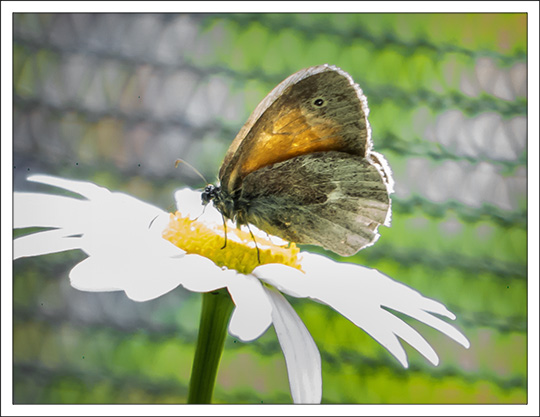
(291, 135)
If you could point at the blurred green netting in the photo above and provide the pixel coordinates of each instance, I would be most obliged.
(116, 98)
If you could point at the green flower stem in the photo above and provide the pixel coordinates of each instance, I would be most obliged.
(217, 307)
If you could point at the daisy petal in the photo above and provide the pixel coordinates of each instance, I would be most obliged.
(301, 354)
(387, 339)
(435, 307)
(84, 188)
(412, 337)
(46, 210)
(41, 243)
(286, 279)
(99, 273)
(441, 326)
(253, 312)
(368, 291)
(404, 299)
(408, 300)
(200, 274)
(88, 275)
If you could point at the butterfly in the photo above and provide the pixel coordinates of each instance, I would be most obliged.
(302, 167)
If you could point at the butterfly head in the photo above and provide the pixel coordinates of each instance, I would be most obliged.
(222, 201)
(211, 192)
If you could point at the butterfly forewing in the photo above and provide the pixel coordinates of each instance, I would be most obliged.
(323, 111)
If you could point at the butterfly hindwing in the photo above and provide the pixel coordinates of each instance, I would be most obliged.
(332, 199)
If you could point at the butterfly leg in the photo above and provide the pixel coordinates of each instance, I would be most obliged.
(225, 228)
(256, 246)
(203, 210)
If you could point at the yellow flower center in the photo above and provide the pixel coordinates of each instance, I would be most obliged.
(240, 253)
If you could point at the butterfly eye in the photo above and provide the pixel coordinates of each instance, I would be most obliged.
(319, 102)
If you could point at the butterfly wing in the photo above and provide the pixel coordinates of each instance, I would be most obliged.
(332, 199)
(318, 109)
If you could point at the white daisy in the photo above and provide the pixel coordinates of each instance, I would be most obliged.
(140, 249)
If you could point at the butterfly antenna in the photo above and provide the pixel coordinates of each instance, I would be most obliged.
(181, 161)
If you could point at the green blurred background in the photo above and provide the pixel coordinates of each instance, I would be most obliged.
(116, 98)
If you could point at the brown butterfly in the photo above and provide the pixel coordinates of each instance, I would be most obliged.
(302, 167)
